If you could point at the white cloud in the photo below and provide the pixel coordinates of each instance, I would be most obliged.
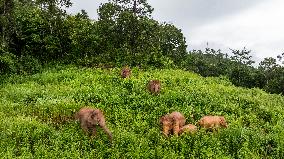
(90, 6)
(260, 29)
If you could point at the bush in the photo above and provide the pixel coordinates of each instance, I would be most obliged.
(37, 115)
(29, 65)
(8, 62)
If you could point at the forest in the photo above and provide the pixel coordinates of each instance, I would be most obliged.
(36, 33)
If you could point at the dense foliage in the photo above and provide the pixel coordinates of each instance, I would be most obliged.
(39, 32)
(124, 34)
(37, 116)
(238, 68)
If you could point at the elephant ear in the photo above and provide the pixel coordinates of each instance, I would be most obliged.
(166, 120)
(94, 115)
(162, 119)
(97, 116)
(223, 121)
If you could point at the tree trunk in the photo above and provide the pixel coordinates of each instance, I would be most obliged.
(7, 13)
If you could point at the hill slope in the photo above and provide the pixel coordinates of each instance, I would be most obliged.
(37, 116)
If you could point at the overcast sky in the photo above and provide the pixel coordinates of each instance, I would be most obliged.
(257, 25)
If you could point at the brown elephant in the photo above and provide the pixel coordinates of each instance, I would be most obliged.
(213, 122)
(90, 118)
(172, 123)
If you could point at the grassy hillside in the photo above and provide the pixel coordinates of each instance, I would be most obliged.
(37, 116)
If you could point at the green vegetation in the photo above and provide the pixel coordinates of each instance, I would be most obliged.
(37, 115)
(39, 32)
(43, 83)
(269, 75)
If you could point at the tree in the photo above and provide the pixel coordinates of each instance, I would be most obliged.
(123, 16)
(209, 62)
(242, 56)
(139, 8)
(7, 21)
(131, 35)
(268, 64)
(40, 29)
(32, 31)
(172, 42)
(84, 38)
(274, 74)
(275, 83)
(280, 58)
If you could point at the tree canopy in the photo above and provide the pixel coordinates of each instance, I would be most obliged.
(38, 32)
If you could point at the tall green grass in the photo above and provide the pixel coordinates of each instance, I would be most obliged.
(37, 116)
